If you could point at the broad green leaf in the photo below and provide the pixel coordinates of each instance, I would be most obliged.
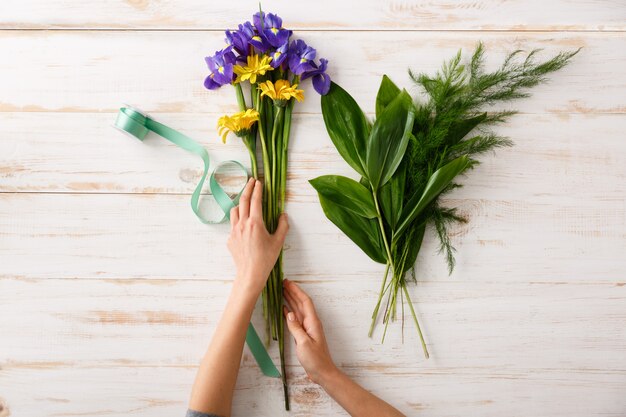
(364, 232)
(392, 195)
(387, 92)
(388, 140)
(435, 185)
(347, 193)
(458, 130)
(347, 126)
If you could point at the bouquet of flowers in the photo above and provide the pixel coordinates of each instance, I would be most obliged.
(412, 154)
(262, 55)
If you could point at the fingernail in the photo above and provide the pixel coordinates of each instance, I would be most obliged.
(258, 182)
(290, 316)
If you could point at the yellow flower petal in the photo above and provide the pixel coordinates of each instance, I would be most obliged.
(237, 123)
(282, 90)
(254, 67)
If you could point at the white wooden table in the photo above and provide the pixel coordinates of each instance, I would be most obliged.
(110, 288)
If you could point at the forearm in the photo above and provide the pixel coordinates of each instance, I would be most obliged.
(357, 401)
(215, 382)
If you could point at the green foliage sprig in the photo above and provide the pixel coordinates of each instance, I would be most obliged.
(412, 154)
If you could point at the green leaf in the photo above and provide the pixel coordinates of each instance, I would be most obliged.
(392, 196)
(346, 193)
(364, 232)
(457, 131)
(435, 185)
(387, 92)
(347, 126)
(388, 140)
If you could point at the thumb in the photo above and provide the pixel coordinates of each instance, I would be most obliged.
(282, 228)
(294, 326)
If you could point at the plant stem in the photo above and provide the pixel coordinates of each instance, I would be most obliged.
(396, 280)
(285, 137)
(380, 297)
(419, 330)
(240, 98)
(382, 228)
(253, 162)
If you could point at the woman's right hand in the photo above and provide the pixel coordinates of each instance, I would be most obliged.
(306, 329)
(313, 354)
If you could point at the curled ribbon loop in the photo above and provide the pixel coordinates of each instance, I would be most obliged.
(138, 124)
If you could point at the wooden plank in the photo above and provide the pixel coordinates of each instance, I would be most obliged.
(90, 323)
(555, 156)
(80, 72)
(151, 236)
(161, 391)
(92, 334)
(323, 14)
(544, 199)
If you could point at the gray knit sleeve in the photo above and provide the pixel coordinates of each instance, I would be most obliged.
(193, 413)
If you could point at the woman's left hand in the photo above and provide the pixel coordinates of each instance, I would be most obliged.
(252, 247)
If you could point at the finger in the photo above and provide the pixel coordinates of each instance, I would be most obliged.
(288, 291)
(281, 229)
(311, 321)
(234, 216)
(305, 309)
(294, 326)
(244, 200)
(302, 297)
(293, 306)
(256, 205)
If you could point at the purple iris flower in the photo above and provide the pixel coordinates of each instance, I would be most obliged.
(321, 80)
(272, 29)
(259, 42)
(279, 55)
(301, 57)
(256, 20)
(240, 39)
(221, 66)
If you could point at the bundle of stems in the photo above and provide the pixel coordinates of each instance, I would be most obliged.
(273, 129)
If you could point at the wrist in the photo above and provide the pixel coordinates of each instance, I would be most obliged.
(247, 285)
(328, 377)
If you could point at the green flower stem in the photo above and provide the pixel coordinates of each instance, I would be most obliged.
(285, 147)
(252, 151)
(240, 98)
(276, 138)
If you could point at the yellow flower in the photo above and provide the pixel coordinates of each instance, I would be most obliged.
(238, 123)
(282, 91)
(255, 67)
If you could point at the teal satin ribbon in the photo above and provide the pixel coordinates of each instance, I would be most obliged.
(137, 124)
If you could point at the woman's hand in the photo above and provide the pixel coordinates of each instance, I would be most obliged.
(252, 247)
(313, 354)
(306, 329)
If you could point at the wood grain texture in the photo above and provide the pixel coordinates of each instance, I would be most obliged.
(151, 334)
(97, 71)
(370, 15)
(110, 288)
